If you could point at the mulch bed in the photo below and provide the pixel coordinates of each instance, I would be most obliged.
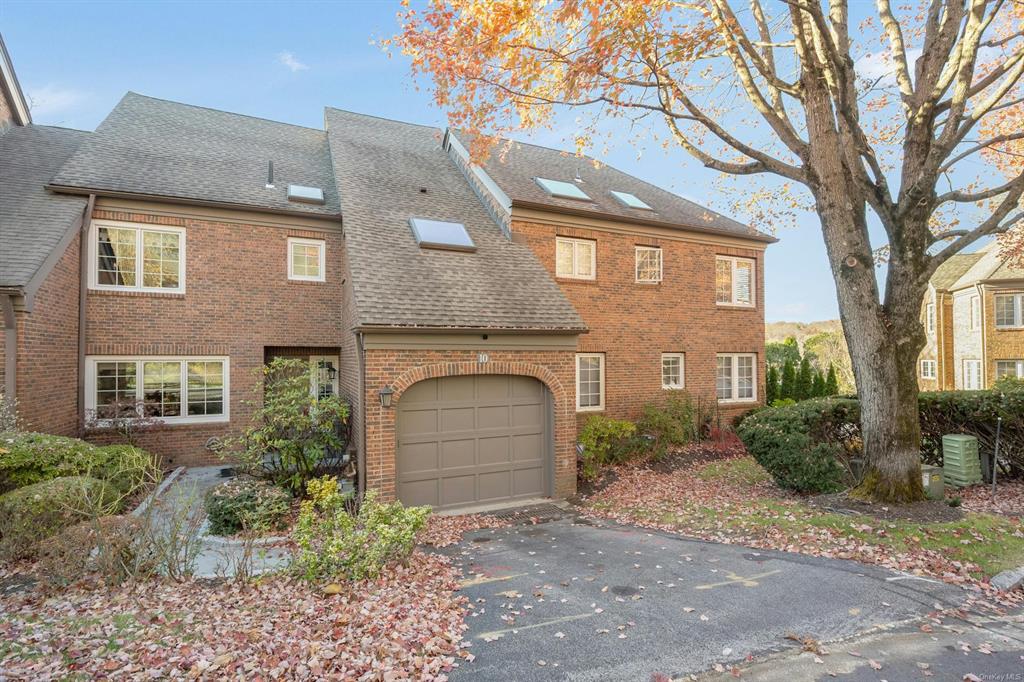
(929, 511)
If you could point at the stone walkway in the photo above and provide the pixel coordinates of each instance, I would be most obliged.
(217, 557)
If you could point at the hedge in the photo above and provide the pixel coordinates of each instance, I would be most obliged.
(28, 458)
(807, 446)
(35, 512)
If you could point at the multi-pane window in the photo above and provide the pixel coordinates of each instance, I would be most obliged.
(648, 264)
(734, 281)
(306, 259)
(975, 313)
(672, 370)
(930, 317)
(736, 376)
(115, 389)
(135, 257)
(589, 381)
(576, 258)
(972, 375)
(928, 369)
(170, 389)
(1010, 368)
(205, 387)
(1010, 310)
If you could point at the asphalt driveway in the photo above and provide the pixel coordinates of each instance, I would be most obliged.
(582, 600)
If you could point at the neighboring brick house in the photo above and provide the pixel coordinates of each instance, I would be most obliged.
(974, 318)
(472, 316)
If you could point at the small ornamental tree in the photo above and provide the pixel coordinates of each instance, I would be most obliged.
(782, 95)
(787, 390)
(804, 380)
(771, 385)
(818, 385)
(831, 382)
(292, 430)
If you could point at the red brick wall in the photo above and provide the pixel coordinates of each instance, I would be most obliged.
(47, 375)
(633, 323)
(403, 368)
(238, 301)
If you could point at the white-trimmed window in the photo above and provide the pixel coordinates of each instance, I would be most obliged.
(929, 317)
(575, 258)
(1010, 311)
(589, 381)
(135, 257)
(734, 281)
(975, 313)
(1010, 368)
(972, 375)
(173, 390)
(306, 259)
(673, 369)
(928, 369)
(648, 264)
(736, 377)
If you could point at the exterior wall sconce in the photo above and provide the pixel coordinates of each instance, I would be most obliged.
(385, 396)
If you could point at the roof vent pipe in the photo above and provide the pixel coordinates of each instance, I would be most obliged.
(578, 178)
(270, 175)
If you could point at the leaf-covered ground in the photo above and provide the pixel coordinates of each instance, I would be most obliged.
(407, 624)
(443, 530)
(732, 500)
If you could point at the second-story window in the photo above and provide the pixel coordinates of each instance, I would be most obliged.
(648, 264)
(575, 258)
(975, 313)
(128, 256)
(306, 259)
(1010, 311)
(734, 281)
(930, 317)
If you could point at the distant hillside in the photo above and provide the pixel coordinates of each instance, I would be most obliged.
(780, 331)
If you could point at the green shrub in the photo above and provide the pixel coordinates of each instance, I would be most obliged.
(35, 512)
(671, 423)
(30, 458)
(292, 431)
(605, 441)
(976, 413)
(332, 542)
(246, 504)
(805, 446)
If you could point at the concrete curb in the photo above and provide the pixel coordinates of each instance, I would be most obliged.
(160, 490)
(269, 541)
(1009, 579)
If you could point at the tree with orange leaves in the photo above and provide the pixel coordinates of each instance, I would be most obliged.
(772, 92)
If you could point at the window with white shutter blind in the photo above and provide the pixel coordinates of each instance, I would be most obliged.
(734, 281)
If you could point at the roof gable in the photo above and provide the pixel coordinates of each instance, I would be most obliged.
(153, 147)
(516, 168)
(32, 220)
(388, 172)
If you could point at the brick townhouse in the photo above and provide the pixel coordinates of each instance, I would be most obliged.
(474, 316)
(973, 315)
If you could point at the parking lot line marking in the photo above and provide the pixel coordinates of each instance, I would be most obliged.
(738, 579)
(496, 634)
(482, 580)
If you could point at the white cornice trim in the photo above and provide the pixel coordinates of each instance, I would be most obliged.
(12, 89)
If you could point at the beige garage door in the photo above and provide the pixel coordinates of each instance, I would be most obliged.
(472, 440)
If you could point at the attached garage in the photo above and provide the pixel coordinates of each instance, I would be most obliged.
(478, 439)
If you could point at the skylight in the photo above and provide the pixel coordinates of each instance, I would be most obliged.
(558, 188)
(305, 195)
(437, 234)
(630, 200)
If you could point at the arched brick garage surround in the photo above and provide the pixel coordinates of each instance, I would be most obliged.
(402, 369)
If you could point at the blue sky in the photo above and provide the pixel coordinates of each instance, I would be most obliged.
(286, 62)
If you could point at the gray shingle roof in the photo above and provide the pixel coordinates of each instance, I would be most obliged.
(150, 146)
(953, 269)
(381, 167)
(32, 220)
(515, 170)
